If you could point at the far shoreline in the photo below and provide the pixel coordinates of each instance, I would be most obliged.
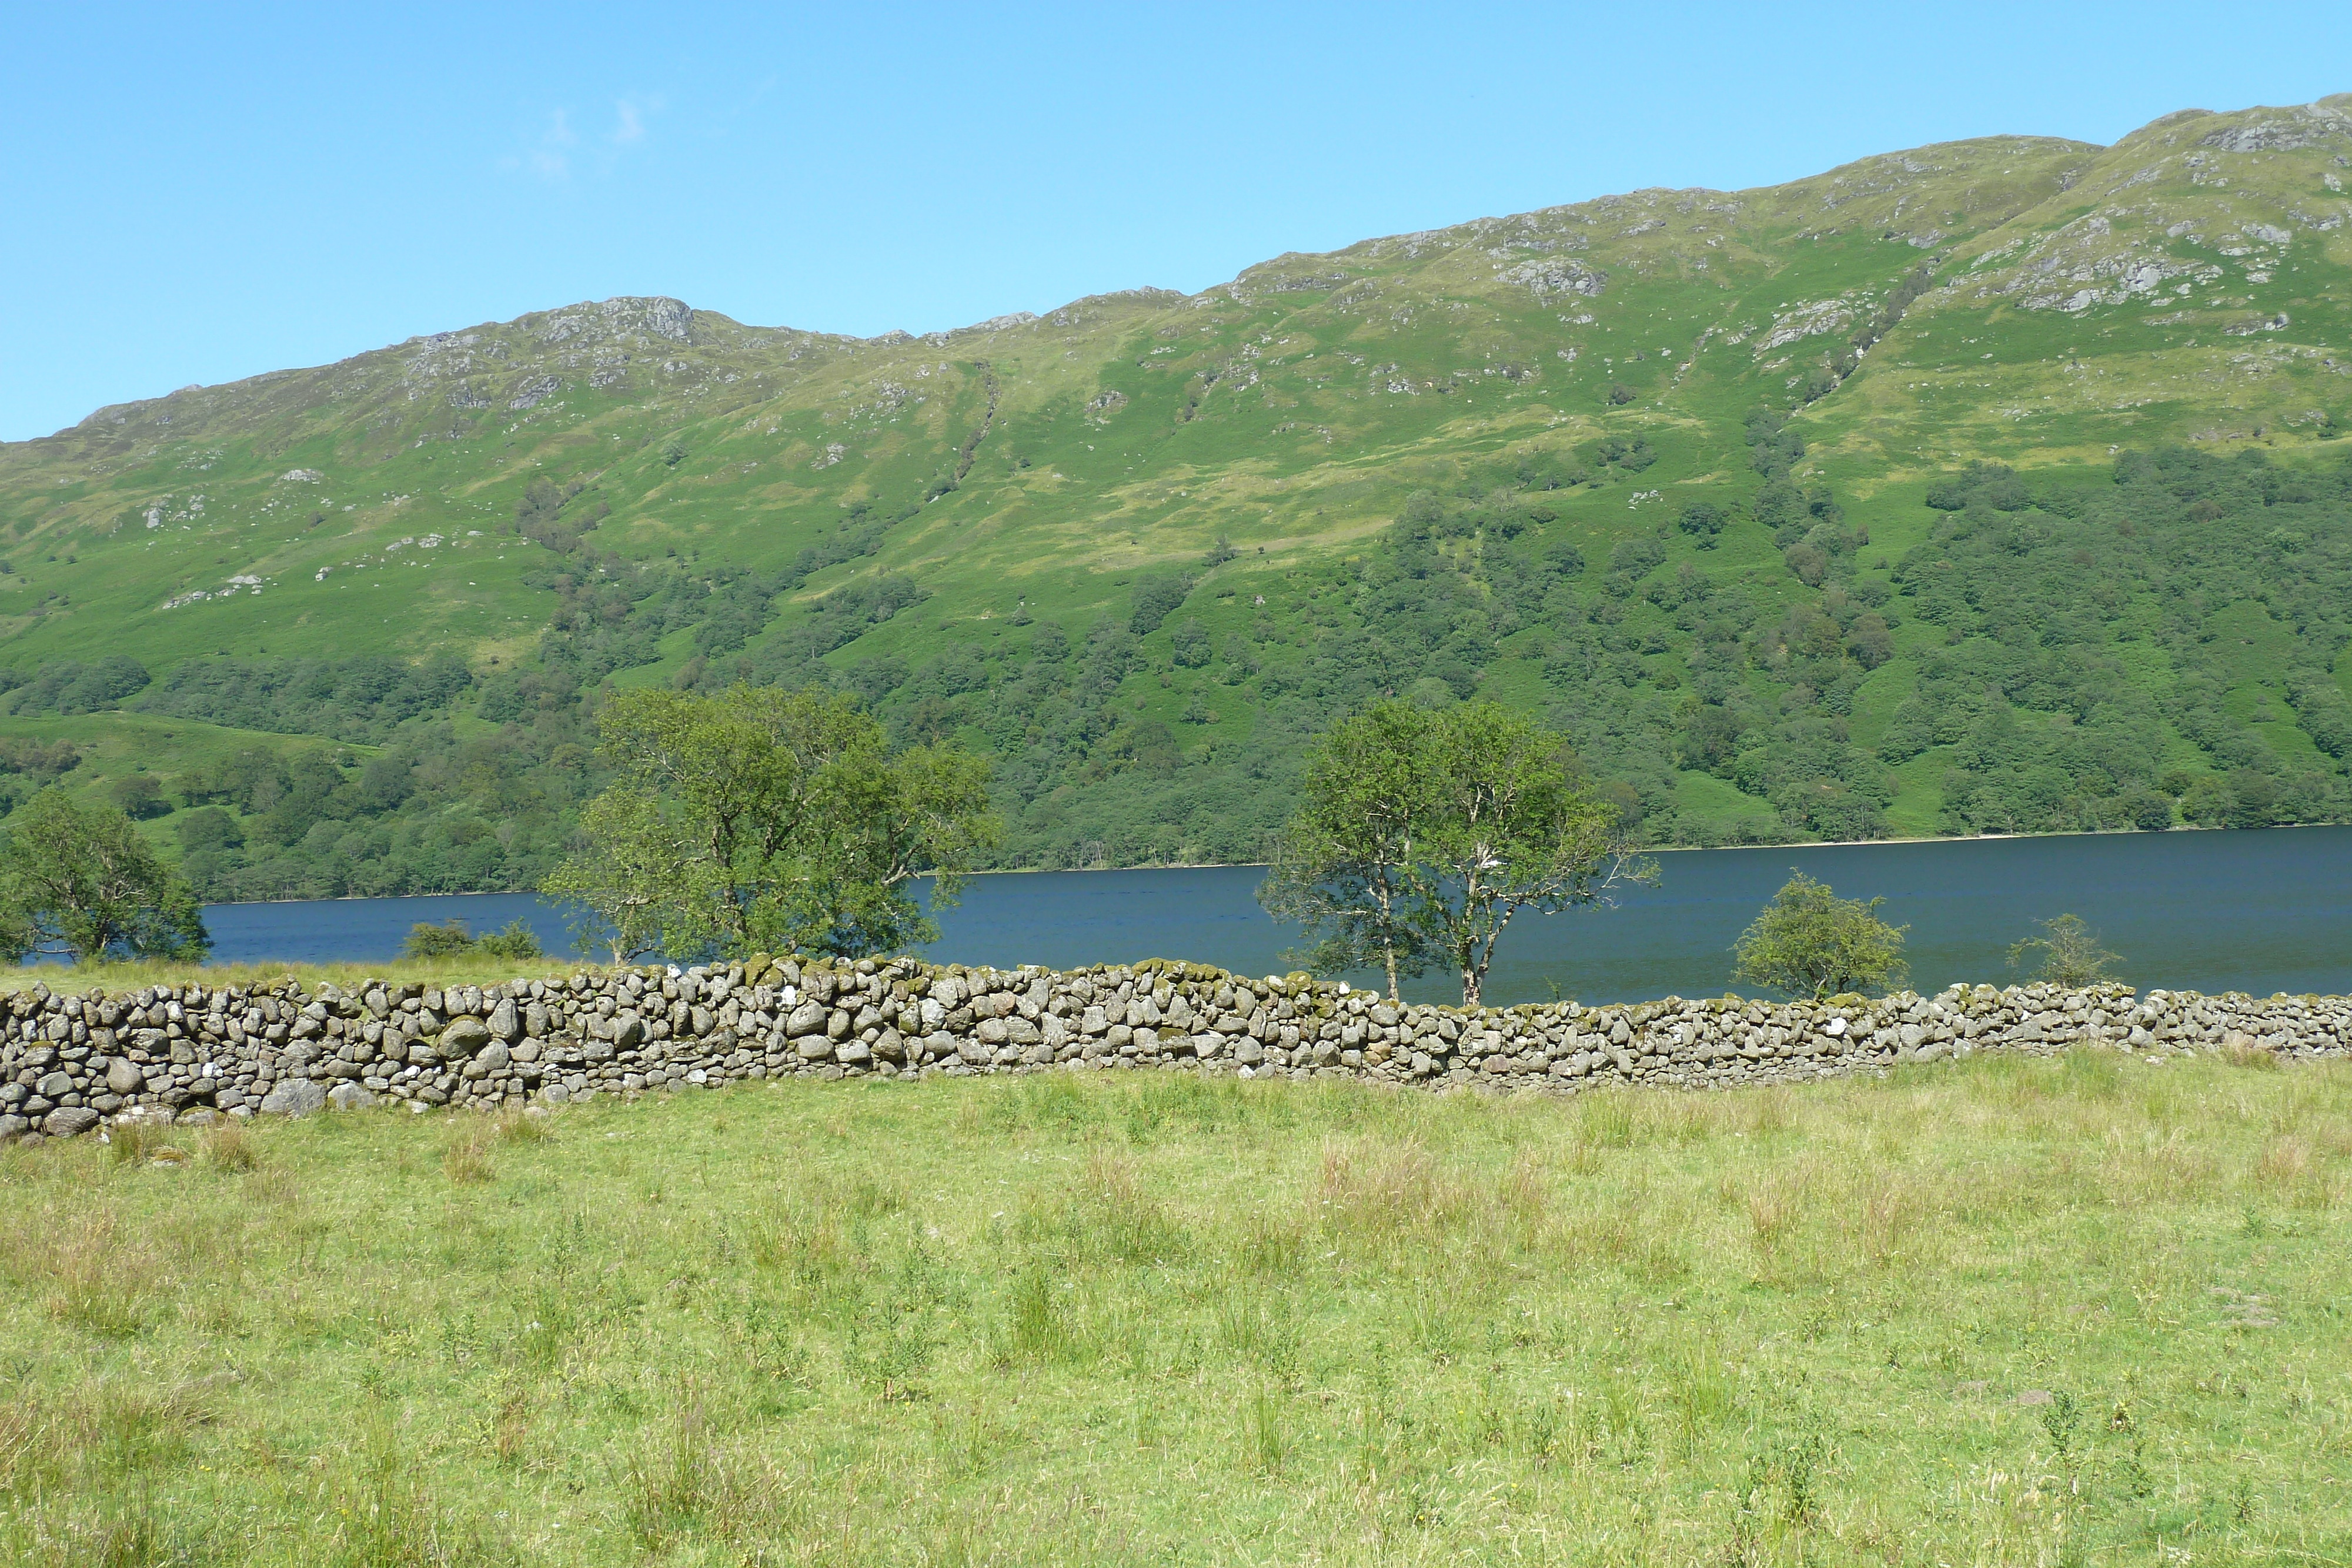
(1260, 865)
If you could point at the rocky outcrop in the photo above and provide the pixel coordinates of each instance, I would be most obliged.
(68, 1061)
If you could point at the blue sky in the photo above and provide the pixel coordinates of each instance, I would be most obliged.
(203, 194)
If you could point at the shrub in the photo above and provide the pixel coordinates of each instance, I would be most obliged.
(515, 941)
(451, 940)
(1810, 942)
(2070, 953)
(446, 940)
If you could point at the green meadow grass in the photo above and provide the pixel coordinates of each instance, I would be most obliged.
(2013, 1311)
(122, 977)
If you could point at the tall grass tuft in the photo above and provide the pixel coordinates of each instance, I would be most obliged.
(1775, 1203)
(101, 1277)
(1699, 1386)
(1883, 1210)
(2246, 1053)
(31, 1451)
(1266, 1443)
(125, 1530)
(673, 1480)
(466, 1158)
(1105, 1216)
(515, 1124)
(1035, 1329)
(230, 1146)
(384, 1516)
(1384, 1189)
(1258, 1328)
(136, 1143)
(511, 1425)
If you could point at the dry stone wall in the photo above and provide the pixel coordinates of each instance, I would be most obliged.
(69, 1062)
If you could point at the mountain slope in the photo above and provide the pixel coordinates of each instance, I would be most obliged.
(1202, 496)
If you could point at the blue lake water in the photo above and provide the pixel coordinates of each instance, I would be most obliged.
(2258, 912)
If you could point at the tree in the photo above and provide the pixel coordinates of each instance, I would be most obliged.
(81, 883)
(1339, 867)
(1703, 520)
(2150, 812)
(882, 821)
(1190, 640)
(1510, 826)
(2070, 953)
(1424, 833)
(1869, 640)
(140, 796)
(632, 880)
(1157, 598)
(1809, 561)
(791, 824)
(1810, 942)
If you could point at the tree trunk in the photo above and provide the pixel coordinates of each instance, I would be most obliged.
(1471, 979)
(1390, 949)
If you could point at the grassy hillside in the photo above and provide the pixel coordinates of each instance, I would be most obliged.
(2018, 1311)
(1658, 465)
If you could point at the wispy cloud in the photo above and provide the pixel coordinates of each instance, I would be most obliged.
(549, 157)
(629, 117)
(552, 154)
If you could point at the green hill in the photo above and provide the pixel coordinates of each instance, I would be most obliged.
(1687, 471)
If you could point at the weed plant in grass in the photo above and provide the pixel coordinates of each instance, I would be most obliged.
(2014, 1311)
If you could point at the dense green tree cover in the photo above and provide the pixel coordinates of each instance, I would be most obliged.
(362, 699)
(2061, 652)
(28, 767)
(2044, 600)
(444, 807)
(69, 686)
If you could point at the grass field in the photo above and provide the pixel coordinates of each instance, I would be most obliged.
(122, 977)
(2019, 1310)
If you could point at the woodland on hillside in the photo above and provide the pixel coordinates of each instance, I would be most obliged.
(2081, 638)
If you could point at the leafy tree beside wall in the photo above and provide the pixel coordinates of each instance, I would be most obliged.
(79, 883)
(1424, 834)
(769, 819)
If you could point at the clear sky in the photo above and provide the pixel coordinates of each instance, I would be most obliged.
(198, 193)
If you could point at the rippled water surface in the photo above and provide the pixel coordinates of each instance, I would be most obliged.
(2258, 912)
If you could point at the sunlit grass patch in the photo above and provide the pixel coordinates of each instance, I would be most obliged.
(1062, 1318)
